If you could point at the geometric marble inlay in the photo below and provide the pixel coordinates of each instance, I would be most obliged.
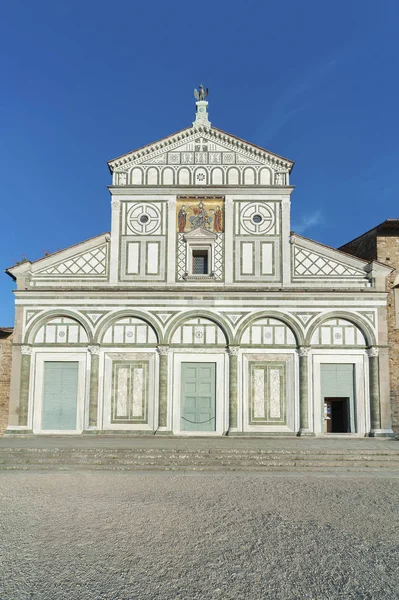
(93, 262)
(310, 263)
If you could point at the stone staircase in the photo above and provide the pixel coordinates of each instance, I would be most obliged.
(191, 458)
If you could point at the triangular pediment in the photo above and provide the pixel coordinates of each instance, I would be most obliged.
(196, 146)
(200, 233)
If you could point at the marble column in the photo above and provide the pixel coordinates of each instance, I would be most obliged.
(303, 388)
(375, 414)
(163, 352)
(94, 367)
(233, 397)
(26, 352)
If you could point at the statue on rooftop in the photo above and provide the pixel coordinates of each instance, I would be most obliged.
(201, 94)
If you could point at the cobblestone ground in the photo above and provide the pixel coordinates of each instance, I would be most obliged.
(123, 536)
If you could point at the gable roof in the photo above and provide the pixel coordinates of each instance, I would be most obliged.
(218, 134)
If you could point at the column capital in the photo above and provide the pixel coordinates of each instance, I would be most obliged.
(163, 350)
(372, 352)
(26, 350)
(233, 350)
(303, 351)
(94, 349)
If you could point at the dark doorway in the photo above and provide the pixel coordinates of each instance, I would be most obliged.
(336, 414)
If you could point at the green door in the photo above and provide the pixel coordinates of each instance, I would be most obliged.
(60, 395)
(198, 402)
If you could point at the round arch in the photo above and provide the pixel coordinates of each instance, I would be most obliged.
(34, 327)
(193, 314)
(108, 320)
(354, 319)
(270, 314)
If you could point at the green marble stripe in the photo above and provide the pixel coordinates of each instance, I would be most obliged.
(24, 390)
(93, 407)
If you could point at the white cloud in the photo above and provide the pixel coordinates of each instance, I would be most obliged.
(307, 222)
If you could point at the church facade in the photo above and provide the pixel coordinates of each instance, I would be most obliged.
(200, 313)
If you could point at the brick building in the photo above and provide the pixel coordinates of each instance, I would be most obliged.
(5, 374)
(382, 243)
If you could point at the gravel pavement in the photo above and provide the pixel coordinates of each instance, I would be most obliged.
(125, 536)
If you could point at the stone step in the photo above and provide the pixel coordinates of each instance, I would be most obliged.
(208, 468)
(162, 459)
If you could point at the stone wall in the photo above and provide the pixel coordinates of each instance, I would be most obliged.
(388, 253)
(382, 244)
(5, 375)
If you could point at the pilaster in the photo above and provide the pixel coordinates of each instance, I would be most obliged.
(233, 386)
(163, 352)
(303, 353)
(171, 242)
(114, 248)
(93, 397)
(285, 239)
(228, 239)
(26, 352)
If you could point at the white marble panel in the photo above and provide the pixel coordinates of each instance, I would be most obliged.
(259, 393)
(152, 258)
(138, 386)
(210, 335)
(274, 393)
(325, 335)
(247, 258)
(133, 253)
(267, 259)
(50, 333)
(118, 334)
(122, 391)
(73, 334)
(141, 334)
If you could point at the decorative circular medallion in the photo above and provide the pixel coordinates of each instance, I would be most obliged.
(257, 217)
(338, 336)
(144, 218)
(61, 334)
(129, 334)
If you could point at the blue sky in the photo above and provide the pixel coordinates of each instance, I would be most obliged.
(85, 81)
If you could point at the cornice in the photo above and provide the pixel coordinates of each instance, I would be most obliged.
(245, 191)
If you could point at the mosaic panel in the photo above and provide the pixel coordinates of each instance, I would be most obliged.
(207, 213)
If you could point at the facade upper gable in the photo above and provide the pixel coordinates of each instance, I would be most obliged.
(178, 158)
